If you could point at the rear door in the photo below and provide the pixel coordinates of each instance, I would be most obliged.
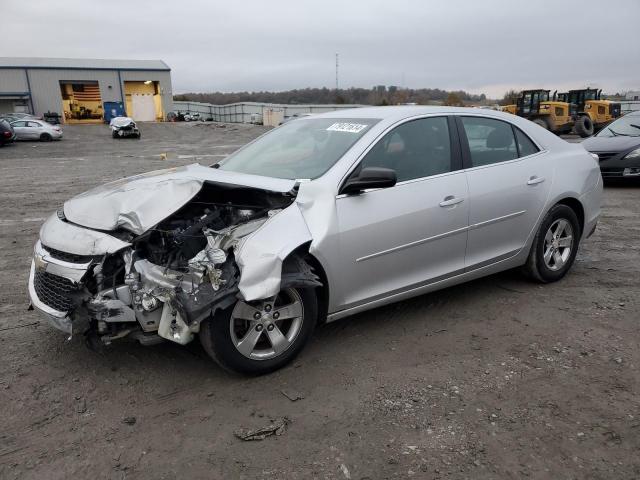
(509, 182)
(35, 129)
(20, 128)
(396, 238)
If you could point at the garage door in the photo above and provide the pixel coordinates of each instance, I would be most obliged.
(6, 106)
(144, 109)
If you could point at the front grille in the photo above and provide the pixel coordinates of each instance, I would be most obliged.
(606, 155)
(611, 172)
(67, 257)
(54, 291)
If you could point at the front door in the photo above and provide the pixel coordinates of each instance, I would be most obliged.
(411, 234)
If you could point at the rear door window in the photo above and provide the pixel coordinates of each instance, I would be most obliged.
(490, 141)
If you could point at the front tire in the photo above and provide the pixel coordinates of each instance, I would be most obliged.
(255, 338)
(584, 126)
(555, 245)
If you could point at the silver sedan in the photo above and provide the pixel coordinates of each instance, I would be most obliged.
(31, 129)
(314, 221)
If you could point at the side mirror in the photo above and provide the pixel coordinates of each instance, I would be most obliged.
(370, 177)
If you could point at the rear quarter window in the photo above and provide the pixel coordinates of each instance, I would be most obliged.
(525, 145)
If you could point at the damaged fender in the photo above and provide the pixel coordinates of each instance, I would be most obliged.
(260, 255)
(67, 237)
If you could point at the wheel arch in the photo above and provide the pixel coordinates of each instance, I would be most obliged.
(575, 205)
(323, 291)
(567, 199)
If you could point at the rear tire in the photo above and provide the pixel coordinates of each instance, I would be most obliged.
(584, 126)
(45, 137)
(555, 245)
(222, 336)
(542, 123)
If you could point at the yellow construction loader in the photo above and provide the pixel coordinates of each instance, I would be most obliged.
(535, 105)
(590, 112)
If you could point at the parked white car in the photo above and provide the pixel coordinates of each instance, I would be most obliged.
(36, 130)
(316, 220)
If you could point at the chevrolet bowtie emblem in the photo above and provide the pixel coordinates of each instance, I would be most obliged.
(39, 262)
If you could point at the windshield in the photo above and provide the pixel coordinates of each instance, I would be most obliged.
(628, 126)
(299, 149)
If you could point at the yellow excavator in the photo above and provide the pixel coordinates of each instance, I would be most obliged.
(590, 112)
(534, 105)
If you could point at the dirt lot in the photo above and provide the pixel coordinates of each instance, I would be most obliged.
(498, 378)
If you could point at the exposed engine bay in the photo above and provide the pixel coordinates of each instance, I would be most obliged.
(170, 278)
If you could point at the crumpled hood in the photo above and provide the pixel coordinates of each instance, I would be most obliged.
(140, 202)
(121, 122)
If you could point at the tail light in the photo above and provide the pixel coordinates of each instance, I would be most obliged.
(6, 134)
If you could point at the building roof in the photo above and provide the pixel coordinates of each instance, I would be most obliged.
(81, 63)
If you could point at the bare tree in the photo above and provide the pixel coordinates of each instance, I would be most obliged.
(510, 97)
(453, 100)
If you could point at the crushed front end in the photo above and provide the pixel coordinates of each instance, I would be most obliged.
(151, 286)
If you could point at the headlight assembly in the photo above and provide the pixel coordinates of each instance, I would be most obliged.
(633, 154)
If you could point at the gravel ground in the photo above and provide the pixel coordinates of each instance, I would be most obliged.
(497, 378)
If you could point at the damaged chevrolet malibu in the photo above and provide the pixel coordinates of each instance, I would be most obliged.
(314, 221)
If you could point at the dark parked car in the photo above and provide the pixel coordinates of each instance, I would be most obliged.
(618, 147)
(7, 135)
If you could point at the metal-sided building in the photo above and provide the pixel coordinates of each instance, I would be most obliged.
(86, 90)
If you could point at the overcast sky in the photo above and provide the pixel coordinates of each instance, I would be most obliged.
(475, 45)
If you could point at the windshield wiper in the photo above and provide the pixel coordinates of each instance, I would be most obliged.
(618, 134)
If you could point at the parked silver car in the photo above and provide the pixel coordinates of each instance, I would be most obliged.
(314, 221)
(29, 129)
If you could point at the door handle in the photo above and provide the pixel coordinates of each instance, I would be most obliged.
(535, 180)
(450, 200)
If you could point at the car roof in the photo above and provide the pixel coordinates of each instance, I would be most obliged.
(400, 112)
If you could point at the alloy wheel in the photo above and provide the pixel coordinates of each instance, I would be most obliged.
(264, 330)
(558, 244)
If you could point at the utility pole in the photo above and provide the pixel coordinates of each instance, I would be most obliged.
(337, 55)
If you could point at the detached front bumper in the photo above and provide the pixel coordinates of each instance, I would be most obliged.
(52, 283)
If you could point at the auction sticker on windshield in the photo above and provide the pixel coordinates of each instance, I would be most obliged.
(347, 127)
